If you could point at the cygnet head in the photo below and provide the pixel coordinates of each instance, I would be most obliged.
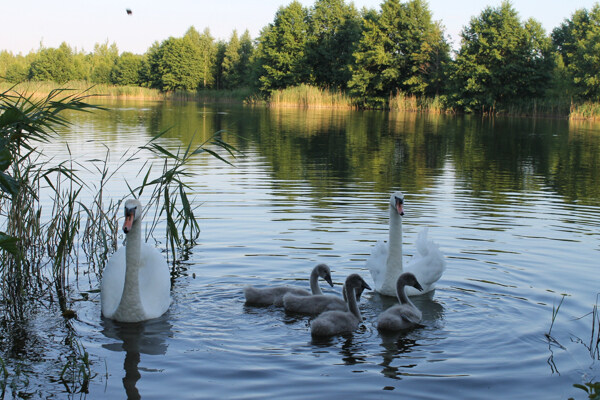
(408, 279)
(397, 202)
(355, 281)
(324, 272)
(133, 211)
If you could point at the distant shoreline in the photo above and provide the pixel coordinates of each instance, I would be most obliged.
(306, 96)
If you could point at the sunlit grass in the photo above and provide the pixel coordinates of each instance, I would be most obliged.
(41, 89)
(405, 102)
(587, 110)
(307, 96)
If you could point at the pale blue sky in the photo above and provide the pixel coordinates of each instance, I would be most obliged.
(82, 23)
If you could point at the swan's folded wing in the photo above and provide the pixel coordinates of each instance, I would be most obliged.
(113, 280)
(155, 282)
(376, 263)
(427, 265)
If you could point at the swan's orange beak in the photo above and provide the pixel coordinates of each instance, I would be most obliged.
(128, 221)
(399, 206)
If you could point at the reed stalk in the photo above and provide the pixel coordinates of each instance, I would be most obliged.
(307, 96)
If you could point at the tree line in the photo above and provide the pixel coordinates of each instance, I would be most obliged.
(369, 54)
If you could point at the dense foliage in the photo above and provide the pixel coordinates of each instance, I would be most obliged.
(372, 55)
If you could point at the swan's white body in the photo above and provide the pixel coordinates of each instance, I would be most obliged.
(332, 323)
(136, 282)
(316, 304)
(274, 295)
(404, 315)
(385, 261)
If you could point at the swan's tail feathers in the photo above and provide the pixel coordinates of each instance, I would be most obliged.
(376, 263)
(423, 244)
(428, 264)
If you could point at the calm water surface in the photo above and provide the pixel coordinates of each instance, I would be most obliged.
(513, 203)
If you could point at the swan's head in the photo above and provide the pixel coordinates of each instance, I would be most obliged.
(356, 282)
(133, 212)
(324, 272)
(408, 279)
(397, 202)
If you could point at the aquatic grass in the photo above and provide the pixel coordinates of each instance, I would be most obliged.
(77, 372)
(401, 101)
(40, 89)
(591, 387)
(169, 197)
(587, 110)
(308, 96)
(39, 248)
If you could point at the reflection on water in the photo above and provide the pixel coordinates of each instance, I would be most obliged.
(513, 204)
(147, 337)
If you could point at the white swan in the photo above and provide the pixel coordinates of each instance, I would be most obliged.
(274, 295)
(385, 261)
(404, 315)
(335, 322)
(316, 304)
(136, 282)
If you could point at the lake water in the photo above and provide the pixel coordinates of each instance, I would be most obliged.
(514, 205)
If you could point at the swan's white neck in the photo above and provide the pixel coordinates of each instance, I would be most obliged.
(130, 308)
(352, 304)
(314, 282)
(394, 259)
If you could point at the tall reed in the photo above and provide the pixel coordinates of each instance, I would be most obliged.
(401, 101)
(308, 96)
(38, 251)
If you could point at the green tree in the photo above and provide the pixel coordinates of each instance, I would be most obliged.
(14, 68)
(334, 29)
(205, 50)
(501, 60)
(126, 70)
(53, 65)
(401, 48)
(281, 49)
(178, 65)
(149, 70)
(102, 61)
(245, 66)
(218, 71)
(231, 62)
(578, 43)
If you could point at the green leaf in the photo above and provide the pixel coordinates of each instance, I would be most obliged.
(9, 243)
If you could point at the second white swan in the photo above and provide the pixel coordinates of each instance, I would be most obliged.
(385, 261)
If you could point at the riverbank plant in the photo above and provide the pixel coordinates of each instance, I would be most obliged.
(592, 386)
(54, 224)
(307, 96)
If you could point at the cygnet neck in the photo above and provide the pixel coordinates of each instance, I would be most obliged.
(352, 303)
(314, 282)
(401, 293)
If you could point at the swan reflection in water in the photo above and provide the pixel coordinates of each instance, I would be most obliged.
(146, 337)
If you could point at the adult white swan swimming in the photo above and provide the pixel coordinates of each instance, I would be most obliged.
(136, 282)
(385, 261)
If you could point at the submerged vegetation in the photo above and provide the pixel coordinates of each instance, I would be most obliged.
(333, 55)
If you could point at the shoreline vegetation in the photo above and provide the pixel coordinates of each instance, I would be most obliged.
(307, 96)
(332, 55)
